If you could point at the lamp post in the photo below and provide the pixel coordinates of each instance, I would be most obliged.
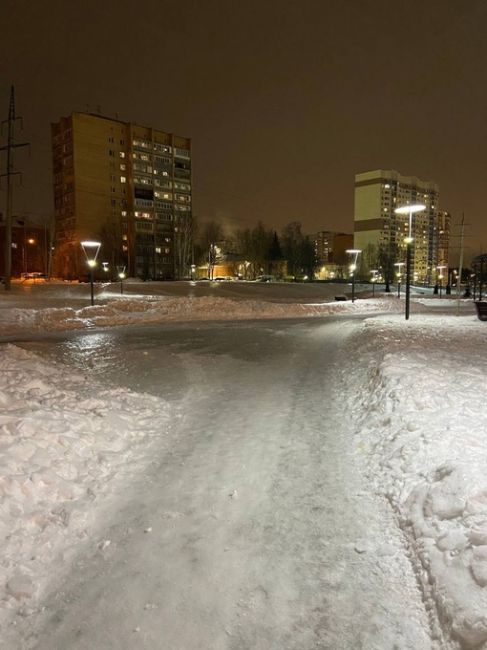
(91, 250)
(399, 275)
(373, 279)
(440, 275)
(121, 276)
(410, 210)
(354, 253)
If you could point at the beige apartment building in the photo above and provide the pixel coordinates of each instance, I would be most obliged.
(379, 232)
(126, 185)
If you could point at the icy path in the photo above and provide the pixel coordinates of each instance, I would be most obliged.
(256, 529)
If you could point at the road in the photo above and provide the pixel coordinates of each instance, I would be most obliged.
(254, 528)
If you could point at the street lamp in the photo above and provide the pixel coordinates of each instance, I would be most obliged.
(373, 279)
(91, 250)
(410, 210)
(121, 277)
(354, 253)
(399, 275)
(440, 275)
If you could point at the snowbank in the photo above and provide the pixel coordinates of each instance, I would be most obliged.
(151, 309)
(63, 439)
(422, 431)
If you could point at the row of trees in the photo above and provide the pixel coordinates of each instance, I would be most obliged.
(263, 249)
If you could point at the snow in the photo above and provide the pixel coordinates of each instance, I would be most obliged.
(62, 440)
(416, 391)
(421, 430)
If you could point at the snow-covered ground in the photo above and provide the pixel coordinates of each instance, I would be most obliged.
(422, 429)
(416, 390)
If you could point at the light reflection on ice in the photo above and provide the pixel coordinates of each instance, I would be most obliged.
(94, 352)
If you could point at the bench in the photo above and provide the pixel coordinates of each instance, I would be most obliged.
(481, 309)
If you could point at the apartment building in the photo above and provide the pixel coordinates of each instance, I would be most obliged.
(126, 185)
(330, 253)
(380, 232)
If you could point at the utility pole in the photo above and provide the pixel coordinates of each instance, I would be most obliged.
(12, 118)
(459, 276)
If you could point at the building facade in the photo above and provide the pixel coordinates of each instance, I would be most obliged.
(127, 186)
(30, 248)
(379, 232)
(330, 252)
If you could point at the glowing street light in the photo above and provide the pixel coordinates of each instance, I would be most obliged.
(440, 275)
(399, 276)
(410, 210)
(373, 279)
(91, 250)
(354, 253)
(121, 277)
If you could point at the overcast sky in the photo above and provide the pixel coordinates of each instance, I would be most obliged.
(284, 100)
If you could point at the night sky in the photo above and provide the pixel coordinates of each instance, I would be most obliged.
(284, 100)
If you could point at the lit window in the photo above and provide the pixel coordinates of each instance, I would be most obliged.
(123, 179)
(122, 154)
(158, 249)
(124, 213)
(123, 167)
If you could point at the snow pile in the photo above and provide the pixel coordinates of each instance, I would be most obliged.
(62, 440)
(152, 310)
(422, 429)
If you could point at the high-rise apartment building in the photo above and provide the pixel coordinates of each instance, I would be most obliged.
(126, 185)
(330, 246)
(379, 232)
(330, 253)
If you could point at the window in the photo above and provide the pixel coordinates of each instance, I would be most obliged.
(123, 167)
(182, 153)
(123, 179)
(111, 152)
(122, 154)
